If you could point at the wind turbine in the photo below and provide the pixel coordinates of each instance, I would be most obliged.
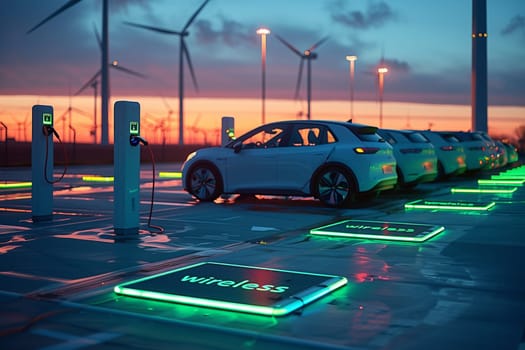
(104, 71)
(93, 82)
(183, 51)
(307, 55)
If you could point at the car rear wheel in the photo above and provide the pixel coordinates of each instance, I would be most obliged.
(335, 187)
(204, 182)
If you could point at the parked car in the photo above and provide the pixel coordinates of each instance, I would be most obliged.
(329, 160)
(512, 152)
(450, 153)
(415, 156)
(502, 154)
(479, 154)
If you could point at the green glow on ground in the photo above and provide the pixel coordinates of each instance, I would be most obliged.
(15, 185)
(494, 190)
(449, 205)
(171, 174)
(281, 306)
(501, 182)
(379, 230)
(98, 178)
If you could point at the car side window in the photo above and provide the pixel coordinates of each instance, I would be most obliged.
(310, 136)
(265, 138)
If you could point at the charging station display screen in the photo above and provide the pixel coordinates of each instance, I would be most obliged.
(392, 231)
(134, 128)
(47, 119)
(234, 287)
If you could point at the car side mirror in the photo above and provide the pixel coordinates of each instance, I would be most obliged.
(237, 147)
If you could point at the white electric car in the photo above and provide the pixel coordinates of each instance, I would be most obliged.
(415, 156)
(329, 160)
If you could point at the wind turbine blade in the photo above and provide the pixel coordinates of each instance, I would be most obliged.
(190, 65)
(155, 29)
(298, 86)
(168, 107)
(288, 45)
(318, 43)
(89, 82)
(97, 35)
(67, 5)
(127, 70)
(79, 111)
(192, 18)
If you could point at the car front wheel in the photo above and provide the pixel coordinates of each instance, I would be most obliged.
(204, 183)
(335, 187)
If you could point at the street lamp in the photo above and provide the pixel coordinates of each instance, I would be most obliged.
(381, 72)
(263, 32)
(352, 60)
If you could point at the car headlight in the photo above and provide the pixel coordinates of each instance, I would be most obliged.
(191, 155)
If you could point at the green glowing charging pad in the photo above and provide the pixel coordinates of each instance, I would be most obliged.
(449, 205)
(250, 289)
(391, 231)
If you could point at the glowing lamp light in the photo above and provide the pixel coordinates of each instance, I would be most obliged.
(351, 58)
(382, 70)
(263, 31)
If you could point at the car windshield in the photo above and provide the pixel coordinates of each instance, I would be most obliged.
(268, 136)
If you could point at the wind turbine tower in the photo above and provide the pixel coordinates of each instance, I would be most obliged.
(307, 55)
(183, 52)
(104, 61)
(479, 65)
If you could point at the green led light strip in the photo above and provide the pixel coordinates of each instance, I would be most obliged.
(450, 205)
(191, 285)
(379, 230)
(171, 174)
(501, 182)
(16, 185)
(98, 178)
(484, 190)
(507, 177)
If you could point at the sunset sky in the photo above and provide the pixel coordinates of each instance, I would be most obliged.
(426, 46)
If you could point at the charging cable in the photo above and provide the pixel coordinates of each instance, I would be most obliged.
(134, 140)
(49, 131)
(160, 229)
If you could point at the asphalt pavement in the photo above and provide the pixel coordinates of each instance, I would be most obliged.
(463, 288)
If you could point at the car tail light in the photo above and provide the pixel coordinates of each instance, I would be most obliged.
(428, 166)
(387, 169)
(447, 148)
(410, 150)
(366, 150)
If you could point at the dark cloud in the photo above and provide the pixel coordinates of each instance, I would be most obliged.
(516, 23)
(230, 33)
(376, 15)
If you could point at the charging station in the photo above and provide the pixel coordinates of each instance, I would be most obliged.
(228, 130)
(42, 163)
(126, 169)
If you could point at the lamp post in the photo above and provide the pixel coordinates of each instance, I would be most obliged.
(263, 32)
(352, 60)
(381, 73)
